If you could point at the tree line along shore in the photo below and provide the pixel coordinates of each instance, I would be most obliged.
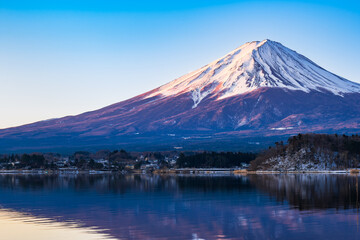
(301, 153)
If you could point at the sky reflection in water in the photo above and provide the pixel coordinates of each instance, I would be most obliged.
(16, 225)
(179, 207)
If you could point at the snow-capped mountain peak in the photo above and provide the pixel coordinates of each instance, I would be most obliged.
(255, 65)
(260, 90)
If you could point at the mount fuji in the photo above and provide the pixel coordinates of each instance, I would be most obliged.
(259, 91)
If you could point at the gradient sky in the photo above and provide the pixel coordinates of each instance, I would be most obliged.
(66, 57)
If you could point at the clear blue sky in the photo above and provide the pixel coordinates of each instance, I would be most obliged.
(65, 57)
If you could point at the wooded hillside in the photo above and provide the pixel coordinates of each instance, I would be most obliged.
(311, 152)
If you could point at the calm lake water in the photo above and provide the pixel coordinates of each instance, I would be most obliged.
(298, 206)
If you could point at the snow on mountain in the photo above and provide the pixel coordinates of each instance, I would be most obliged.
(259, 90)
(252, 66)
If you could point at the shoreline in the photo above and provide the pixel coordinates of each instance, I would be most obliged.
(189, 171)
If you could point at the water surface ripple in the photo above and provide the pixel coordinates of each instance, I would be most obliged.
(277, 206)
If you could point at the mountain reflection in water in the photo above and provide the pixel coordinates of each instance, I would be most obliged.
(186, 207)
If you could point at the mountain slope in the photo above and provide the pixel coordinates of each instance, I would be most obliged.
(260, 89)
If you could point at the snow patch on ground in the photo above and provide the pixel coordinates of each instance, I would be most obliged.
(197, 96)
(281, 128)
(303, 160)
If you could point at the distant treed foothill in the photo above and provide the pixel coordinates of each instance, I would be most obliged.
(305, 152)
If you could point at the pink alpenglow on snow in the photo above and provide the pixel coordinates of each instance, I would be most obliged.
(252, 66)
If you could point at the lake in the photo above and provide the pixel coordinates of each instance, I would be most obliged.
(276, 206)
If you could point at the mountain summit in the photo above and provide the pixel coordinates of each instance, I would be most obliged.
(259, 90)
(255, 65)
